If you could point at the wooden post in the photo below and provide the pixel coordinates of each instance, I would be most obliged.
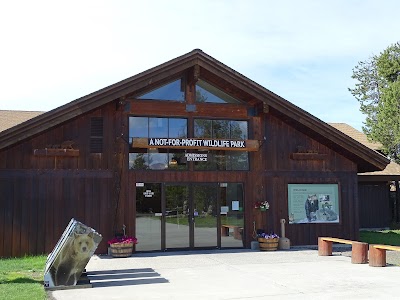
(324, 247)
(377, 257)
(359, 253)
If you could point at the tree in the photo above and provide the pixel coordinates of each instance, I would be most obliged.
(378, 91)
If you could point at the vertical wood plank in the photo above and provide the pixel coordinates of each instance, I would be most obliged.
(26, 211)
(33, 219)
(7, 205)
(16, 221)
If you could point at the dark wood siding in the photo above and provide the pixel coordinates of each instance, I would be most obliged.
(78, 130)
(279, 170)
(37, 205)
(374, 205)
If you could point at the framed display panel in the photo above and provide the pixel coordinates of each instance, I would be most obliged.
(313, 203)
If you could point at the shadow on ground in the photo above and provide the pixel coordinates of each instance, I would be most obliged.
(124, 277)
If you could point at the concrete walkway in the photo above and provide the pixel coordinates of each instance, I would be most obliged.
(235, 274)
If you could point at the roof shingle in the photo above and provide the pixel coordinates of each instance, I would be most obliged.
(10, 118)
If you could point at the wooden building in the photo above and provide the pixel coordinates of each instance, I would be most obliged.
(180, 154)
(378, 191)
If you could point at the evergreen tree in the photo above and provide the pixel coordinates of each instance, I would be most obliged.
(378, 91)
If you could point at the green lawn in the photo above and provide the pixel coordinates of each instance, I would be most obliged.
(22, 278)
(386, 237)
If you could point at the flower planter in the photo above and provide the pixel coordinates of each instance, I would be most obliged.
(121, 249)
(268, 244)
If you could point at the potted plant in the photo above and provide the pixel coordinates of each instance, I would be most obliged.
(262, 205)
(122, 246)
(268, 242)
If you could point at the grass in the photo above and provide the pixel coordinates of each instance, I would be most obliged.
(385, 237)
(22, 278)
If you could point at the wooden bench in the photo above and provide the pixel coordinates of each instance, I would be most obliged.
(359, 250)
(236, 231)
(377, 254)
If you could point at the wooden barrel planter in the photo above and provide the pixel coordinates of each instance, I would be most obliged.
(268, 244)
(121, 249)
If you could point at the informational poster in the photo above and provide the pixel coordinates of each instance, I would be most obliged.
(235, 205)
(313, 203)
(224, 210)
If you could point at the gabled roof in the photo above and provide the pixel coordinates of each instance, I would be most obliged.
(392, 170)
(10, 118)
(364, 157)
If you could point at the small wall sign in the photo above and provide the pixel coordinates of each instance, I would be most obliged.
(148, 193)
(196, 156)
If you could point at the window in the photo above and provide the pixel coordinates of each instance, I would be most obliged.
(148, 127)
(223, 161)
(208, 93)
(156, 158)
(222, 129)
(173, 91)
(164, 158)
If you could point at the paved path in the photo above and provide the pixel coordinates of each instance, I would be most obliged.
(235, 274)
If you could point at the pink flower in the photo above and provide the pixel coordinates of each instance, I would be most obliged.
(123, 239)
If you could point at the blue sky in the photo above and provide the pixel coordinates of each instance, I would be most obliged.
(55, 52)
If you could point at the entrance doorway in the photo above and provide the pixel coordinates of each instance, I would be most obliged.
(189, 216)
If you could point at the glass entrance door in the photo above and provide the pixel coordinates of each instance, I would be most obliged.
(205, 217)
(191, 216)
(188, 216)
(231, 214)
(177, 216)
(148, 217)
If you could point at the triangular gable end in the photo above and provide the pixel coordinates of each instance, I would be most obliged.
(257, 95)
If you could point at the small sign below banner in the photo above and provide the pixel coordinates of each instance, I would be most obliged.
(196, 156)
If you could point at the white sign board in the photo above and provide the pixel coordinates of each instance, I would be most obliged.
(224, 210)
(196, 156)
(235, 205)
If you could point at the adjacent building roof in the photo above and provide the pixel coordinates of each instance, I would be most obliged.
(392, 170)
(10, 118)
(357, 135)
(366, 159)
